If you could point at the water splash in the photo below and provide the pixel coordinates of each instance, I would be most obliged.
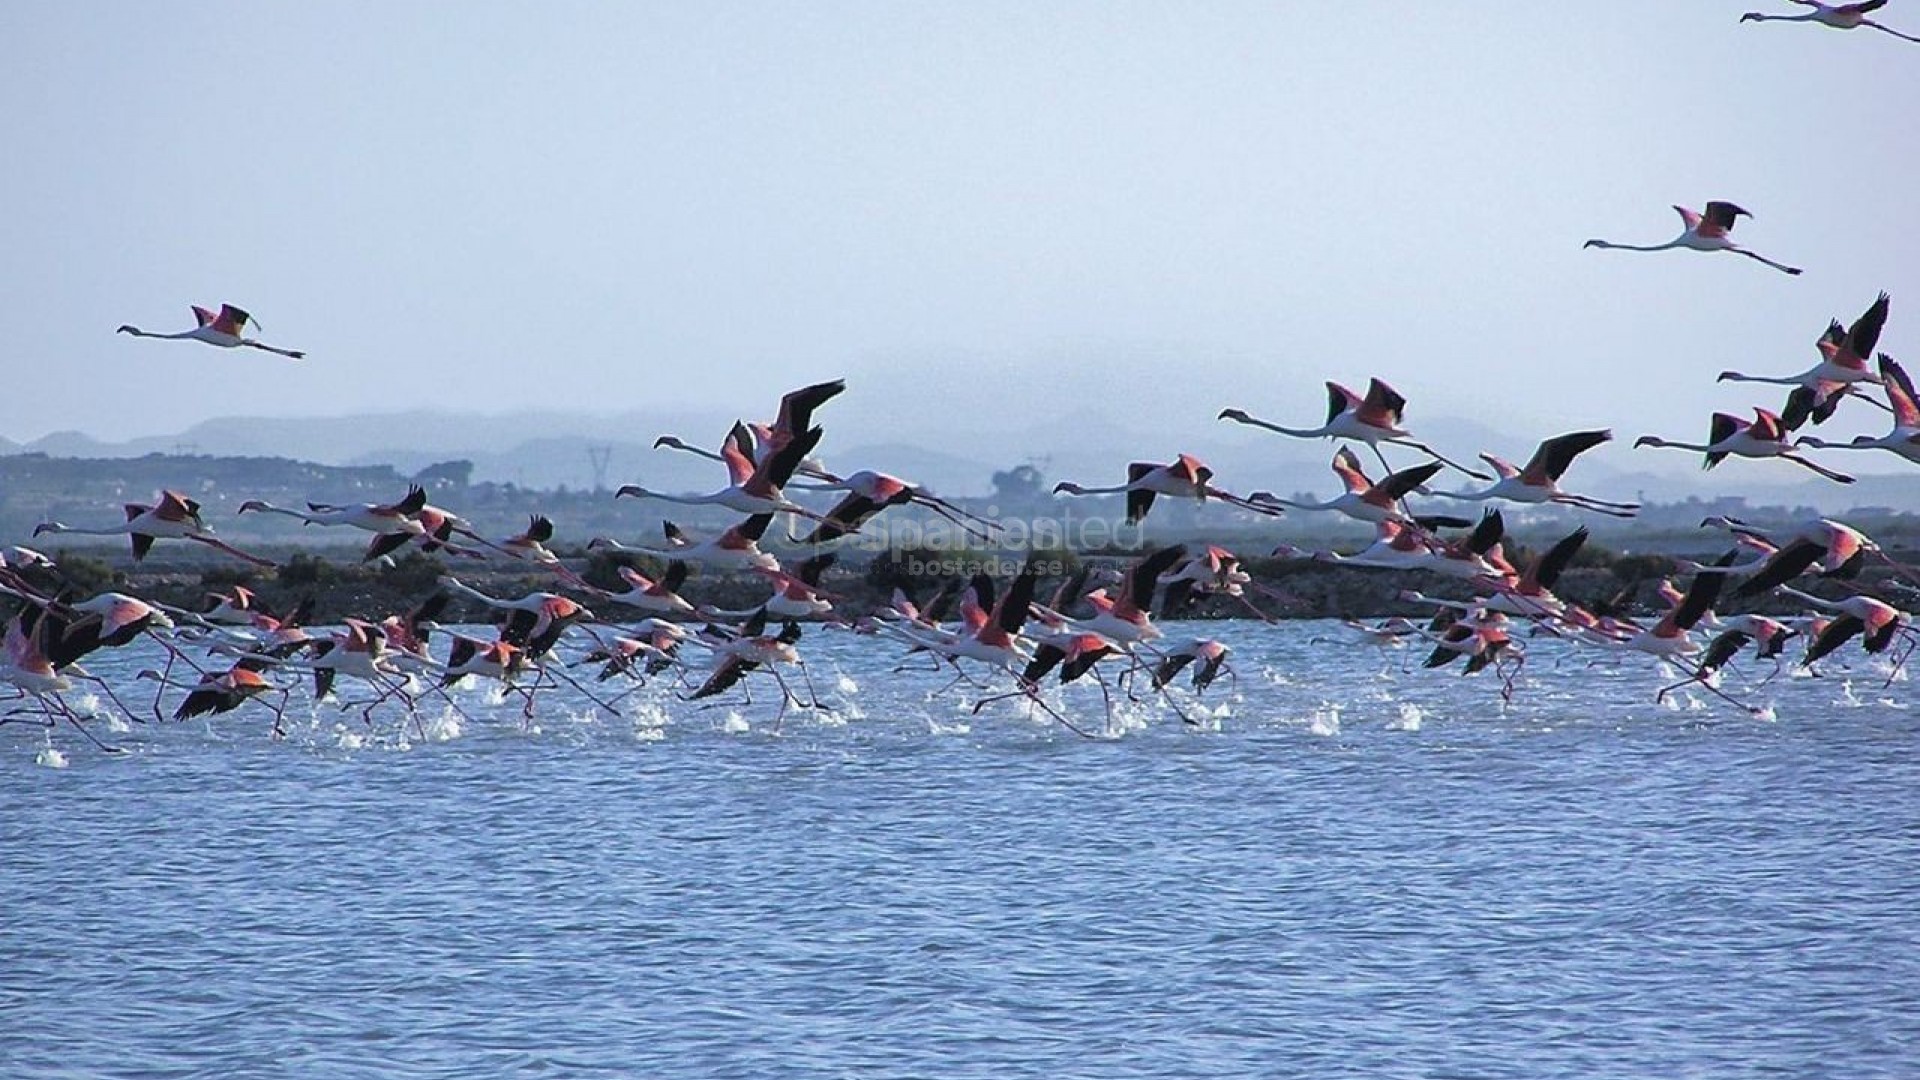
(1409, 718)
(1325, 721)
(444, 727)
(50, 758)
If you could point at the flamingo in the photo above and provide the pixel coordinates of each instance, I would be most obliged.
(529, 545)
(1843, 357)
(752, 648)
(534, 621)
(26, 666)
(1212, 569)
(1879, 622)
(1185, 477)
(1762, 549)
(1480, 636)
(1704, 232)
(225, 692)
(172, 516)
(1539, 481)
(1836, 548)
(392, 524)
(1765, 436)
(796, 595)
(1210, 655)
(1904, 439)
(755, 488)
(1833, 16)
(870, 492)
(1373, 420)
(658, 641)
(1530, 594)
(648, 594)
(736, 549)
(794, 419)
(1126, 618)
(1389, 634)
(226, 329)
(1395, 547)
(1364, 500)
(1734, 635)
(1670, 637)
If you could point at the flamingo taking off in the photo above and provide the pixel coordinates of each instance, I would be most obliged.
(1833, 16)
(1704, 232)
(227, 328)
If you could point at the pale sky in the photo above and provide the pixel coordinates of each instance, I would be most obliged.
(969, 209)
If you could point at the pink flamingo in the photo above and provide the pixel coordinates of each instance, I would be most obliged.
(1704, 232)
(1833, 16)
(227, 329)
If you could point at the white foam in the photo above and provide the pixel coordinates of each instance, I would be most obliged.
(51, 758)
(1325, 720)
(1409, 718)
(444, 727)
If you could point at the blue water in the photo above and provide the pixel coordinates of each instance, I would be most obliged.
(1345, 871)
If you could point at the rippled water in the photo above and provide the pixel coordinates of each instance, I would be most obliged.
(1345, 871)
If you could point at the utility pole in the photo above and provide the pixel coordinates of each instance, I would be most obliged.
(600, 456)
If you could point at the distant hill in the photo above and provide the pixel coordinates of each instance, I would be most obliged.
(550, 450)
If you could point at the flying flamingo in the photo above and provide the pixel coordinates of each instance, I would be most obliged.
(25, 665)
(1210, 655)
(752, 648)
(392, 524)
(1364, 500)
(796, 595)
(1704, 232)
(1904, 439)
(1185, 477)
(226, 329)
(172, 516)
(1373, 420)
(1843, 356)
(1765, 436)
(754, 488)
(1670, 637)
(534, 621)
(870, 492)
(795, 419)
(1837, 549)
(1126, 618)
(1539, 481)
(736, 549)
(1878, 620)
(1833, 16)
(647, 594)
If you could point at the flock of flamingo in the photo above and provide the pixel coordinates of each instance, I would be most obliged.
(996, 639)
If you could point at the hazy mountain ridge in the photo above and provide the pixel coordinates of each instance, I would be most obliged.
(545, 449)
